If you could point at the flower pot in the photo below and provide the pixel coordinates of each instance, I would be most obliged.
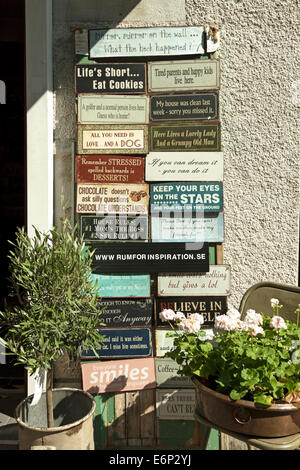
(245, 417)
(73, 421)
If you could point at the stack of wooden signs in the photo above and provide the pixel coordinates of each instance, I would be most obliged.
(149, 199)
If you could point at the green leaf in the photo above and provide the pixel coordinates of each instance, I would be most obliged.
(237, 394)
(262, 398)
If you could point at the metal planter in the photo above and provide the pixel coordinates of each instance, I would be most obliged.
(73, 421)
(244, 417)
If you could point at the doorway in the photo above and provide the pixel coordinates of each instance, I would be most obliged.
(12, 163)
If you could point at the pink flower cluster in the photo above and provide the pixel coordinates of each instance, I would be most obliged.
(190, 324)
(232, 321)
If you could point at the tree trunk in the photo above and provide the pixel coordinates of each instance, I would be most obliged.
(49, 398)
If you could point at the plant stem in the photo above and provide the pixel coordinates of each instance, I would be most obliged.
(49, 398)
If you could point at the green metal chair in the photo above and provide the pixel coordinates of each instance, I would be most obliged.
(258, 298)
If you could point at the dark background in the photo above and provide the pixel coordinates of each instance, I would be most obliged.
(12, 153)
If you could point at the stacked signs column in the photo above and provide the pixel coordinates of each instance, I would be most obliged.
(185, 170)
(112, 206)
(149, 199)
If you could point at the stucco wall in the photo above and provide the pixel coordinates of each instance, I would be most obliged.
(260, 64)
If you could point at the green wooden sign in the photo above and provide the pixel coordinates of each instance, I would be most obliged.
(184, 107)
(188, 137)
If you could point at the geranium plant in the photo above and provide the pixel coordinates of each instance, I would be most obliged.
(257, 358)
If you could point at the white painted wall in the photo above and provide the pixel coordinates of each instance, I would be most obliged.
(39, 102)
(39, 105)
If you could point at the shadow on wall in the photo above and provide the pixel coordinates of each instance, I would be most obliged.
(112, 11)
(69, 15)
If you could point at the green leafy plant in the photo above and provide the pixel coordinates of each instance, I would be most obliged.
(256, 358)
(57, 309)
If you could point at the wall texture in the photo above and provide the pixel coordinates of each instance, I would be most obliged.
(260, 136)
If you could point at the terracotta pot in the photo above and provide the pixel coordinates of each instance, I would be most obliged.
(244, 416)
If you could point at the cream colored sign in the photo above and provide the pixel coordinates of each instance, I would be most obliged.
(175, 404)
(184, 166)
(114, 139)
(164, 342)
(136, 42)
(112, 198)
(214, 282)
(184, 75)
(107, 109)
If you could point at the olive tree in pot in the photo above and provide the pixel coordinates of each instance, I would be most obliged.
(56, 314)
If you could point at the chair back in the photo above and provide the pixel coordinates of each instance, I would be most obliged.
(259, 295)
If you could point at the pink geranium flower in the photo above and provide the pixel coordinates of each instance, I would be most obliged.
(167, 314)
(277, 323)
(189, 325)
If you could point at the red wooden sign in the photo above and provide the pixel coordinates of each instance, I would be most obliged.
(109, 169)
(118, 376)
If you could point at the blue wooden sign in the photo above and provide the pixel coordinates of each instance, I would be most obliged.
(188, 229)
(178, 197)
(122, 285)
(133, 342)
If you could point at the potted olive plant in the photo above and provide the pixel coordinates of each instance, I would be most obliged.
(56, 313)
(246, 371)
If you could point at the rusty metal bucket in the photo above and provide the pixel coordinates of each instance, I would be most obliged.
(73, 421)
(244, 417)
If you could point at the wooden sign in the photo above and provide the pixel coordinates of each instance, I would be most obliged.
(166, 374)
(215, 282)
(190, 107)
(112, 198)
(114, 227)
(109, 169)
(209, 307)
(125, 285)
(164, 342)
(184, 166)
(140, 42)
(133, 342)
(184, 75)
(112, 139)
(188, 137)
(126, 312)
(178, 197)
(118, 376)
(175, 404)
(116, 78)
(139, 257)
(107, 109)
(188, 229)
